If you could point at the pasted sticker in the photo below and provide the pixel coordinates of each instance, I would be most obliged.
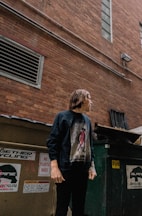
(44, 165)
(9, 177)
(115, 164)
(134, 176)
(36, 186)
(7, 153)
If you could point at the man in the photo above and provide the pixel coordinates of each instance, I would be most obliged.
(71, 153)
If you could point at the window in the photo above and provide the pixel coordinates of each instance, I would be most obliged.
(20, 63)
(118, 119)
(141, 34)
(106, 20)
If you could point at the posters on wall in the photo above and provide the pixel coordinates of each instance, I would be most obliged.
(10, 172)
(9, 177)
(134, 176)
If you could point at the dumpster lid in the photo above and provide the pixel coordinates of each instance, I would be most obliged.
(138, 130)
(15, 129)
(116, 135)
(22, 121)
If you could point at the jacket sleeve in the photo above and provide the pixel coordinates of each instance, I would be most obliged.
(53, 141)
(92, 144)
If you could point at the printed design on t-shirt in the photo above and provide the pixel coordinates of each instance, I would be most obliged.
(80, 142)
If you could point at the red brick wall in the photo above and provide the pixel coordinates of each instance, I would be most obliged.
(66, 69)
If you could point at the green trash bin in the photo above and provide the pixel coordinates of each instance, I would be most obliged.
(117, 189)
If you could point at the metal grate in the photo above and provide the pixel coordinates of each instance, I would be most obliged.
(20, 63)
(118, 119)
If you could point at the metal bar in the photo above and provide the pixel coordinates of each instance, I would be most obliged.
(25, 145)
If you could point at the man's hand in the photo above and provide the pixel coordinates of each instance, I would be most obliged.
(56, 174)
(92, 173)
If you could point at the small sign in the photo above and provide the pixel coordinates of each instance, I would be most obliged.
(9, 177)
(44, 165)
(35, 186)
(134, 176)
(115, 164)
(7, 153)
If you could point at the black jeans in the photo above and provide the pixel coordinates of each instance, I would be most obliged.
(74, 186)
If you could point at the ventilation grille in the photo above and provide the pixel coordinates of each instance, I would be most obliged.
(20, 63)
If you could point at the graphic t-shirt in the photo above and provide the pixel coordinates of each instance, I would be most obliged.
(80, 141)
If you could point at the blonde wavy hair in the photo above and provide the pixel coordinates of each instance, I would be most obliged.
(77, 98)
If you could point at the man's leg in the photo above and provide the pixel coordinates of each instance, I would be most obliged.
(79, 193)
(63, 197)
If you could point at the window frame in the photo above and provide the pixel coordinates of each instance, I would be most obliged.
(118, 119)
(104, 23)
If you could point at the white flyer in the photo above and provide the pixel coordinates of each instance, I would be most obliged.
(9, 177)
(44, 165)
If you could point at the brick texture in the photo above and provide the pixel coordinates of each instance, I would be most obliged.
(68, 35)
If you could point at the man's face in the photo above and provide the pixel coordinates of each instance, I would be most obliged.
(87, 103)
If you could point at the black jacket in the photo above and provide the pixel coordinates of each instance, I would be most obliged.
(59, 140)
